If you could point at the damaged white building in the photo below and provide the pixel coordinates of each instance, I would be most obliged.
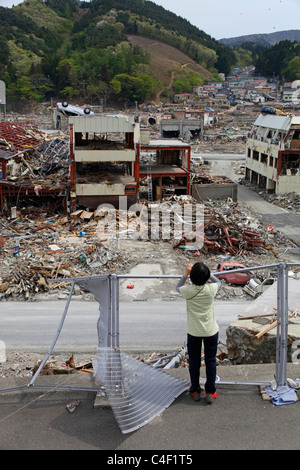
(273, 154)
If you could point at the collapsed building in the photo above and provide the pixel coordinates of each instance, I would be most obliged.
(185, 128)
(186, 124)
(28, 158)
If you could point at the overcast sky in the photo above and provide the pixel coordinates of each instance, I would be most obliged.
(230, 18)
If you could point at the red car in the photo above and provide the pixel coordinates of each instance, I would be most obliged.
(235, 278)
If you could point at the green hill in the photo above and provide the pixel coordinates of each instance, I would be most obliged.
(265, 40)
(103, 50)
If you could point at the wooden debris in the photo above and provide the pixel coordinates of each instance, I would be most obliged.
(76, 214)
(51, 367)
(273, 324)
(241, 317)
(266, 329)
(85, 215)
(70, 362)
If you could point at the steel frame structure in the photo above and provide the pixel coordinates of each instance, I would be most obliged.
(109, 317)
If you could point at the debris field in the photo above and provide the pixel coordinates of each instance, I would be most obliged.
(36, 246)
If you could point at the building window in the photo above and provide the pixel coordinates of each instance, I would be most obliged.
(271, 161)
(255, 155)
(264, 158)
(290, 164)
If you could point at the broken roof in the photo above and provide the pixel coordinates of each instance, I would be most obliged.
(273, 122)
(19, 137)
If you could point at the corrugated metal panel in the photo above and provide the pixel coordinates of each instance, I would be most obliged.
(295, 121)
(100, 288)
(273, 122)
(100, 124)
(137, 392)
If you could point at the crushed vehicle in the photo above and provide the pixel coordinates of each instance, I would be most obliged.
(268, 110)
(257, 286)
(240, 278)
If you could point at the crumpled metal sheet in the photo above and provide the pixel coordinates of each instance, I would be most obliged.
(100, 288)
(137, 392)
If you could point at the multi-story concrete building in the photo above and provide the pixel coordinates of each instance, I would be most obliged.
(167, 171)
(103, 161)
(273, 153)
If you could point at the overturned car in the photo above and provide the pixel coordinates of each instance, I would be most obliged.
(64, 109)
(69, 110)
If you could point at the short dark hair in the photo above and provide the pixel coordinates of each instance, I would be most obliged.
(199, 274)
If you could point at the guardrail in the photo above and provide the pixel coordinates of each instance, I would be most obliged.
(106, 291)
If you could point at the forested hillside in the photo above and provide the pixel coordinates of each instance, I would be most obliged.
(283, 59)
(266, 40)
(101, 52)
(81, 51)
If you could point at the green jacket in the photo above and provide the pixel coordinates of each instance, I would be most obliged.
(200, 308)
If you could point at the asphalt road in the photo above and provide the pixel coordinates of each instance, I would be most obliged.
(283, 220)
(144, 326)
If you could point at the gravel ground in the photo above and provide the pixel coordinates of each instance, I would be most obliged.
(22, 364)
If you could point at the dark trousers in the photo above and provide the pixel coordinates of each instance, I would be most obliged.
(194, 346)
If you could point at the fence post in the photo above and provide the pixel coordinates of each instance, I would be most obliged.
(282, 324)
(115, 311)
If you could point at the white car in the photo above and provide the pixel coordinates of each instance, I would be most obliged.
(69, 110)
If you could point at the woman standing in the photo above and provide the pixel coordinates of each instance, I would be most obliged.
(201, 326)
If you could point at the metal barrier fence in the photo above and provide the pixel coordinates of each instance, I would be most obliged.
(117, 372)
(282, 314)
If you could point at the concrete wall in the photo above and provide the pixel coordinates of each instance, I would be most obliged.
(89, 155)
(94, 189)
(215, 191)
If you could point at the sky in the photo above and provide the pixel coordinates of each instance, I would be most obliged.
(230, 18)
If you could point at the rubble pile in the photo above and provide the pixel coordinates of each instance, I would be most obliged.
(180, 358)
(52, 156)
(290, 201)
(24, 364)
(230, 133)
(45, 165)
(233, 231)
(209, 179)
(17, 137)
(35, 248)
